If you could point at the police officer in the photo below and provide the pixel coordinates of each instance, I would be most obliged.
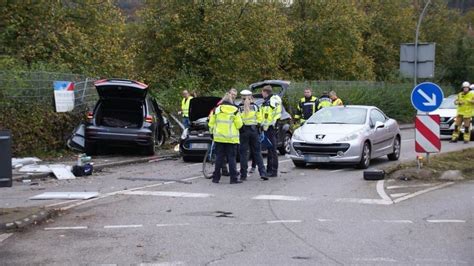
(249, 135)
(224, 124)
(324, 100)
(336, 101)
(271, 113)
(307, 106)
(185, 108)
(465, 109)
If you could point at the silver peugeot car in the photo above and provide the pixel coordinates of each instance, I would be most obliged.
(350, 134)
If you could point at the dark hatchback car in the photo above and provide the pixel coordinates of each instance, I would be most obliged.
(196, 140)
(125, 116)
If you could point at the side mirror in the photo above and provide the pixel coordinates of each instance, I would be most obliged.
(379, 124)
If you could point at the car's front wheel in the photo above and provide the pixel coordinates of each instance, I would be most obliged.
(396, 150)
(365, 157)
(285, 148)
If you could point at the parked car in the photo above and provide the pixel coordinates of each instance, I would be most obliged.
(125, 115)
(447, 112)
(346, 135)
(196, 139)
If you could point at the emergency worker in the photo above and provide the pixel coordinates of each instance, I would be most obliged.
(249, 135)
(306, 107)
(336, 101)
(185, 108)
(465, 109)
(271, 113)
(224, 125)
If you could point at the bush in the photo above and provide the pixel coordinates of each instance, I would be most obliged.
(393, 99)
(36, 129)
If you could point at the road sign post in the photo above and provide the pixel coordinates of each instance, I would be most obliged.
(427, 97)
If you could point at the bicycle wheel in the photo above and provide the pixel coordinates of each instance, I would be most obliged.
(209, 163)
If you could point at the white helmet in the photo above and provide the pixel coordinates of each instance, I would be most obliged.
(466, 84)
(471, 87)
(245, 93)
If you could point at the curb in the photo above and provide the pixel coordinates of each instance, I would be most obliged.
(406, 126)
(29, 220)
(98, 167)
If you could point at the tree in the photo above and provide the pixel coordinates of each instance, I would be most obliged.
(328, 41)
(220, 42)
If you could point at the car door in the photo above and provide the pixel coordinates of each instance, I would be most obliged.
(381, 139)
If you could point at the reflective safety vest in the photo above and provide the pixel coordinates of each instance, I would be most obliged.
(467, 108)
(324, 101)
(225, 123)
(253, 117)
(185, 106)
(306, 108)
(337, 102)
(271, 111)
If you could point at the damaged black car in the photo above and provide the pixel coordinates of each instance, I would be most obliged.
(125, 115)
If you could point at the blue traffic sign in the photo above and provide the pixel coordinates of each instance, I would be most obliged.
(426, 97)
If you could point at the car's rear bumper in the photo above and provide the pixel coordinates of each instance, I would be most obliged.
(119, 137)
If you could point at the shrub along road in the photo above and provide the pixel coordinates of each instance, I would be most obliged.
(295, 218)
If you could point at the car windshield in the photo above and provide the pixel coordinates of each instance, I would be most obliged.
(448, 103)
(339, 115)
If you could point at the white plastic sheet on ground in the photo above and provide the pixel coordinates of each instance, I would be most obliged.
(65, 195)
(19, 162)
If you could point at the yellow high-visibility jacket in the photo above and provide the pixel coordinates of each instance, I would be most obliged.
(252, 118)
(225, 123)
(467, 108)
(185, 106)
(271, 111)
(337, 102)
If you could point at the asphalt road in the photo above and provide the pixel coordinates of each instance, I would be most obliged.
(165, 213)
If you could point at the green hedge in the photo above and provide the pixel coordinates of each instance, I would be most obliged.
(393, 99)
(36, 129)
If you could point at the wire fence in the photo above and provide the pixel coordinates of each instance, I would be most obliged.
(37, 87)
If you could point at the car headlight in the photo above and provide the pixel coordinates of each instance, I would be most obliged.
(350, 137)
(297, 137)
(184, 135)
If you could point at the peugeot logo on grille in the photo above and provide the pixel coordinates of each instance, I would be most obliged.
(320, 137)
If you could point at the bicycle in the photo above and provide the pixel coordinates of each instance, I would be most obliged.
(209, 161)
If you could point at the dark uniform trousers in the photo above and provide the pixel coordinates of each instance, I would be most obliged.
(225, 151)
(249, 141)
(272, 157)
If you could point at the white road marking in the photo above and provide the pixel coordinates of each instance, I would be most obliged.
(376, 259)
(123, 226)
(66, 228)
(283, 221)
(411, 186)
(398, 195)
(278, 197)
(366, 201)
(394, 221)
(338, 170)
(167, 225)
(325, 220)
(409, 196)
(106, 195)
(173, 263)
(405, 140)
(168, 194)
(381, 191)
(446, 221)
(4, 236)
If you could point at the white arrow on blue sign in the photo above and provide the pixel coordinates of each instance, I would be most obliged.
(427, 97)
